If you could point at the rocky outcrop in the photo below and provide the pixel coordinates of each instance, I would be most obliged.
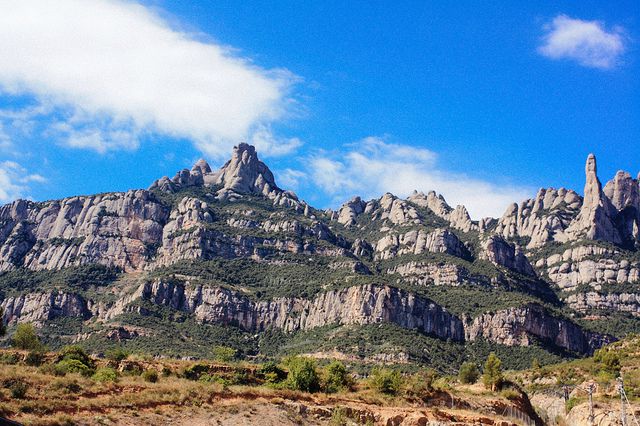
(624, 193)
(114, 229)
(360, 305)
(458, 218)
(40, 307)
(445, 274)
(537, 221)
(418, 242)
(596, 220)
(591, 265)
(350, 210)
(604, 302)
(501, 253)
(522, 326)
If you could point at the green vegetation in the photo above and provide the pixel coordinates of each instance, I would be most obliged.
(74, 278)
(492, 372)
(468, 373)
(386, 381)
(336, 378)
(303, 374)
(26, 337)
(150, 376)
(105, 374)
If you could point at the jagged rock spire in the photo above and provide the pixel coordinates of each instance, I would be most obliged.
(244, 173)
(596, 218)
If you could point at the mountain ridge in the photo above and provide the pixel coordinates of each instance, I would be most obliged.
(551, 271)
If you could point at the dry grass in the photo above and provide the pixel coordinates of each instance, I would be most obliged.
(73, 399)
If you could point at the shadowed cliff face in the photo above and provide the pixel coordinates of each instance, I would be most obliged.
(383, 258)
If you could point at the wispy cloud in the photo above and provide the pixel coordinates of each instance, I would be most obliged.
(586, 42)
(119, 59)
(374, 166)
(15, 180)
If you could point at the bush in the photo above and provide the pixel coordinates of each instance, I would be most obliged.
(34, 358)
(53, 369)
(468, 373)
(609, 361)
(492, 374)
(75, 366)
(76, 353)
(303, 375)
(106, 374)
(67, 386)
(116, 355)
(421, 384)
(195, 371)
(10, 359)
(18, 389)
(25, 337)
(336, 377)
(272, 373)
(224, 353)
(510, 394)
(150, 376)
(386, 381)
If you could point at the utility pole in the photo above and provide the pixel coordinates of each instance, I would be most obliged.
(623, 412)
(590, 389)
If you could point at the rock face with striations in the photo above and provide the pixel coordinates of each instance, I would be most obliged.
(596, 220)
(373, 261)
(518, 325)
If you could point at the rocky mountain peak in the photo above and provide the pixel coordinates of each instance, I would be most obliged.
(202, 166)
(596, 218)
(244, 173)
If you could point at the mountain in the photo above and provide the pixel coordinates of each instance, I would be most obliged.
(227, 257)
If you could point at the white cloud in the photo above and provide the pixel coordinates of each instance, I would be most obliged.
(269, 145)
(587, 42)
(118, 59)
(14, 181)
(290, 178)
(374, 166)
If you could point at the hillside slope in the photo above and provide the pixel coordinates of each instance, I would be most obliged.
(228, 257)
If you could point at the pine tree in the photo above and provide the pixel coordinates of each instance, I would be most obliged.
(492, 374)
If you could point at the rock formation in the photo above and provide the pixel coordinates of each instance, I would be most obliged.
(596, 220)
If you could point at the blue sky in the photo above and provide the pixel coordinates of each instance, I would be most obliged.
(484, 103)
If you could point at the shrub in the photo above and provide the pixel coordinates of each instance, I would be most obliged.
(609, 361)
(468, 373)
(421, 384)
(117, 354)
(166, 371)
(150, 375)
(510, 394)
(10, 359)
(25, 337)
(132, 369)
(106, 374)
(195, 371)
(272, 373)
(224, 353)
(34, 358)
(67, 386)
(18, 389)
(53, 369)
(77, 353)
(571, 402)
(386, 381)
(336, 377)
(75, 366)
(303, 374)
(492, 374)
